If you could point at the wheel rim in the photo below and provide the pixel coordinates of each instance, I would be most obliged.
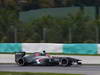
(64, 62)
(21, 62)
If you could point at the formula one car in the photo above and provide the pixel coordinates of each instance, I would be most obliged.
(37, 59)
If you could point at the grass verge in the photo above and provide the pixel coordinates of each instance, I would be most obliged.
(75, 54)
(30, 73)
(60, 54)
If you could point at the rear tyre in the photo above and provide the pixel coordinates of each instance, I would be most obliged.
(19, 56)
(21, 62)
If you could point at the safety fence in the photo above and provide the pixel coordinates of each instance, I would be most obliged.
(51, 48)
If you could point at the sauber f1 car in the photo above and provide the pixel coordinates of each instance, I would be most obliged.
(37, 59)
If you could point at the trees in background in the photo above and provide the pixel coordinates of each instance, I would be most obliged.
(25, 5)
(8, 22)
(77, 28)
(33, 4)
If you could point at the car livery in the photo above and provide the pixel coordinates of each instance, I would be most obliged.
(37, 59)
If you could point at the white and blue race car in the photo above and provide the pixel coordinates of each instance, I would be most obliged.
(37, 59)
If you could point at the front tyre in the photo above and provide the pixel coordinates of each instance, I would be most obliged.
(79, 63)
(66, 62)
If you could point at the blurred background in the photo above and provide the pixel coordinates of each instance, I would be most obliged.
(49, 21)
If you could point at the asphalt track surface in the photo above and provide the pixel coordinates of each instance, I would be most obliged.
(83, 69)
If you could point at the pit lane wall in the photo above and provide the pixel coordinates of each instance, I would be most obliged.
(50, 47)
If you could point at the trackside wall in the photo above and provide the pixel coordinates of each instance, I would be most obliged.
(62, 48)
(10, 47)
(39, 47)
(51, 48)
(98, 48)
(80, 48)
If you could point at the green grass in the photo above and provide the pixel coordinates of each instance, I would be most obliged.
(75, 54)
(30, 73)
(60, 54)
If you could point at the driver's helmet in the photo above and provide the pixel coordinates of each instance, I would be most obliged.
(43, 53)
